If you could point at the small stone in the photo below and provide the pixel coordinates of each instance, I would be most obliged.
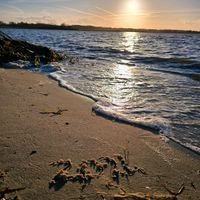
(33, 152)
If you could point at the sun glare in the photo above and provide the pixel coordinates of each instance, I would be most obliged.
(133, 5)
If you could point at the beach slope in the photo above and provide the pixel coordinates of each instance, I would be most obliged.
(41, 123)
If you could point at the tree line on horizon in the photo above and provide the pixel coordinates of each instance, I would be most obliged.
(25, 25)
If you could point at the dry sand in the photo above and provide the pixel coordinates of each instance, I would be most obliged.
(30, 140)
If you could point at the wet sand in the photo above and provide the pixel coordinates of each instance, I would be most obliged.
(41, 123)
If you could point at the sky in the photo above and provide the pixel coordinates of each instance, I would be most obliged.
(153, 14)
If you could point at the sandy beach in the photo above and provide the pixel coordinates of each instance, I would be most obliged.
(41, 123)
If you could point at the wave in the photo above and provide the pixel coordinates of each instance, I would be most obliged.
(173, 60)
(196, 77)
(156, 125)
(27, 65)
(108, 50)
(105, 108)
(64, 84)
(191, 75)
(134, 58)
(145, 59)
(167, 71)
(186, 145)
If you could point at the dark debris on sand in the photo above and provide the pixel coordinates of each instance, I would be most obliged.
(5, 192)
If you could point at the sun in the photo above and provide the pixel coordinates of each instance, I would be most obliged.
(133, 5)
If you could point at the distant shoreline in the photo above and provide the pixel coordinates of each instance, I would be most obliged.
(42, 26)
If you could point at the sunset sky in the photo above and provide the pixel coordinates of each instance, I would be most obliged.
(159, 14)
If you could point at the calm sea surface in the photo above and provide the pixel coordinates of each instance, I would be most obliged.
(141, 78)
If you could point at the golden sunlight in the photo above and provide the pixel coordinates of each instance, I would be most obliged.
(132, 6)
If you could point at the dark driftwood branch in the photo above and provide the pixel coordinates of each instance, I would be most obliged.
(143, 196)
(5, 191)
(175, 193)
(59, 112)
(182, 188)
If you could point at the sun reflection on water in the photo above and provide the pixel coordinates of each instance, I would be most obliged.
(122, 80)
(130, 40)
(122, 85)
(122, 71)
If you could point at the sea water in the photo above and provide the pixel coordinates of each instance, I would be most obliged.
(143, 79)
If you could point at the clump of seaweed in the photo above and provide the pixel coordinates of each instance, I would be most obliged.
(129, 171)
(116, 175)
(66, 164)
(110, 161)
(119, 157)
(60, 177)
(90, 169)
(118, 165)
(92, 163)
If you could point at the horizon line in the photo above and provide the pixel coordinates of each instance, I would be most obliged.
(64, 26)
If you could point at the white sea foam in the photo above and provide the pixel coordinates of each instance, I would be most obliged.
(17, 64)
(107, 109)
(185, 144)
(64, 84)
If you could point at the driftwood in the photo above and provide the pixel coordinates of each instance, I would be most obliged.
(175, 193)
(182, 188)
(143, 196)
(13, 50)
(44, 94)
(67, 164)
(59, 112)
(5, 191)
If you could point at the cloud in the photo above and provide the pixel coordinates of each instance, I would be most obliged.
(35, 1)
(106, 11)
(83, 12)
(176, 12)
(11, 10)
